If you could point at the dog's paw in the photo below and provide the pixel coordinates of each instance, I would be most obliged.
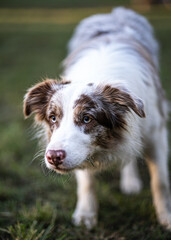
(165, 220)
(133, 185)
(89, 219)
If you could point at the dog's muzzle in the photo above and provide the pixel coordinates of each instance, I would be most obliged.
(55, 157)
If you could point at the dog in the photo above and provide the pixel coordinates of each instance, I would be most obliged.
(109, 106)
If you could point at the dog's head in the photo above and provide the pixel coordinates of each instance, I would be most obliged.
(81, 121)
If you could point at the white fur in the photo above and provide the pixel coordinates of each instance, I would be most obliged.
(102, 61)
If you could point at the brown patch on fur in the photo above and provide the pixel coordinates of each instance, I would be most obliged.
(107, 107)
(56, 110)
(64, 82)
(83, 106)
(104, 127)
(85, 101)
(37, 98)
(99, 127)
(107, 138)
(122, 100)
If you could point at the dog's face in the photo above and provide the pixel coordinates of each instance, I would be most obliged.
(81, 121)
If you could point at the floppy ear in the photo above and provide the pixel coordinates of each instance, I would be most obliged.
(123, 100)
(37, 98)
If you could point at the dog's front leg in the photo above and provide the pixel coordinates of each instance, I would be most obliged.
(86, 208)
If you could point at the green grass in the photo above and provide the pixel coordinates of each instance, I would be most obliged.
(35, 205)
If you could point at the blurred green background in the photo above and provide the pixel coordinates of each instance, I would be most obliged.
(34, 204)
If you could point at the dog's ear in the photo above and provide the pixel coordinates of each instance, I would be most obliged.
(37, 98)
(123, 100)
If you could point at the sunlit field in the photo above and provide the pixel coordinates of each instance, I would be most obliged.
(37, 205)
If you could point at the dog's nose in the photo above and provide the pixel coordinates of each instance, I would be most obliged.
(55, 157)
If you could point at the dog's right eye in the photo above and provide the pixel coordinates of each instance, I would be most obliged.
(52, 118)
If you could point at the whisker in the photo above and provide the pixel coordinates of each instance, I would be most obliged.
(69, 175)
(40, 153)
(45, 170)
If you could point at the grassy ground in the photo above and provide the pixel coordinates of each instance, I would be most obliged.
(33, 204)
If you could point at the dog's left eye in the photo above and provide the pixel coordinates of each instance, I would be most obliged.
(86, 119)
(52, 118)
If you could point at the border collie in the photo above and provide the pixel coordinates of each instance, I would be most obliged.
(109, 106)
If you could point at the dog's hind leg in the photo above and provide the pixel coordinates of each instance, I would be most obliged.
(86, 208)
(157, 164)
(130, 182)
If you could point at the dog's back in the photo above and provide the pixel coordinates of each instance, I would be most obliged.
(121, 23)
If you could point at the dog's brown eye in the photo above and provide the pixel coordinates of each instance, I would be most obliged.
(52, 118)
(86, 119)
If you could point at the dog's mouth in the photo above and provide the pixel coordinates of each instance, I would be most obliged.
(63, 170)
(60, 168)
